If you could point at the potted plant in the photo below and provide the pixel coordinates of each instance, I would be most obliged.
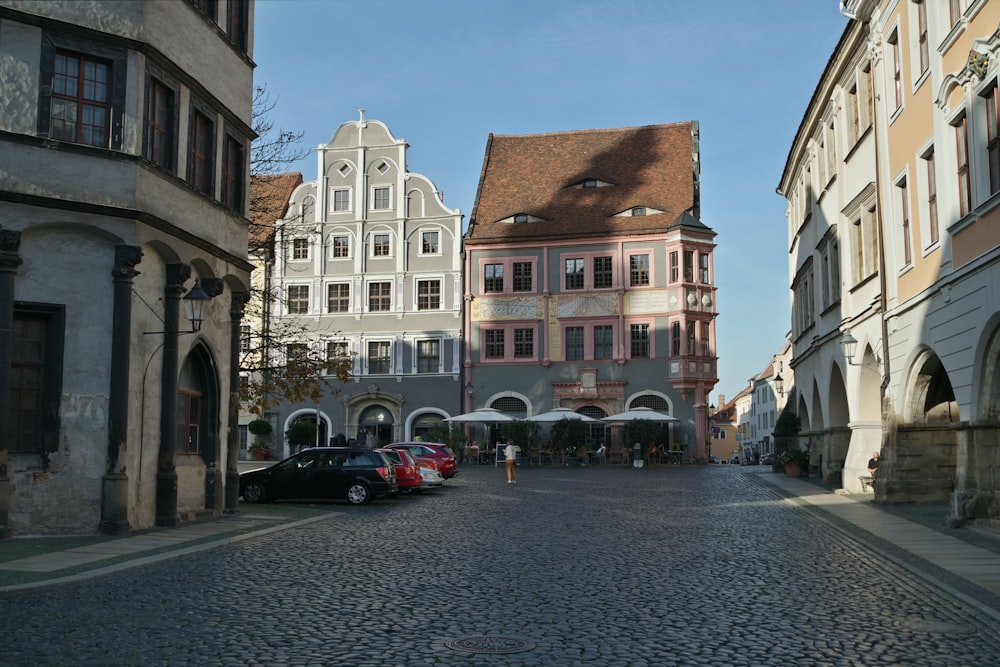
(795, 460)
(260, 428)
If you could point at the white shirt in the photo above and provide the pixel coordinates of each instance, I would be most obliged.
(511, 452)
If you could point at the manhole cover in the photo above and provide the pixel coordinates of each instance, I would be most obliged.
(934, 626)
(490, 644)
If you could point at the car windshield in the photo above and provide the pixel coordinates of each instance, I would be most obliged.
(393, 456)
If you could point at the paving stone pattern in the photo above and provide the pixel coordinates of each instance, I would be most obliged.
(603, 566)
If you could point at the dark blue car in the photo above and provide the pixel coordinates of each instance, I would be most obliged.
(340, 473)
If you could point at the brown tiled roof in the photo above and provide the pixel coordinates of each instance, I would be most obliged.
(269, 195)
(649, 166)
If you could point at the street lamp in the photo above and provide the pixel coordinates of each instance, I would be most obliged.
(850, 345)
(194, 305)
(779, 384)
(708, 431)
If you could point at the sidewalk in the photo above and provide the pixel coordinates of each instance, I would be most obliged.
(963, 561)
(33, 562)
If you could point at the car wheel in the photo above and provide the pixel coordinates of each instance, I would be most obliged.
(358, 493)
(254, 492)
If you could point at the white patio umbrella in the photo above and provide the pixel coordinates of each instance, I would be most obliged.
(640, 413)
(482, 416)
(556, 414)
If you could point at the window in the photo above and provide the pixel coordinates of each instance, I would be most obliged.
(382, 167)
(428, 295)
(494, 348)
(522, 277)
(380, 245)
(201, 146)
(674, 266)
(588, 340)
(639, 340)
(922, 43)
(493, 278)
(188, 421)
(688, 266)
(233, 167)
(35, 378)
(574, 273)
(160, 124)
(378, 357)
(905, 221)
(932, 210)
(298, 299)
(429, 243)
(296, 352)
(588, 183)
(336, 354)
(692, 340)
(208, 6)
(574, 343)
(703, 259)
(954, 11)
(602, 272)
(639, 210)
(244, 435)
(993, 137)
(245, 333)
(864, 245)
(341, 246)
(638, 270)
(675, 339)
(604, 342)
(380, 199)
(962, 160)
(428, 356)
(508, 342)
(81, 99)
(524, 343)
(521, 218)
(897, 82)
(851, 109)
(341, 200)
(494, 272)
(300, 248)
(706, 339)
(237, 23)
(338, 298)
(379, 297)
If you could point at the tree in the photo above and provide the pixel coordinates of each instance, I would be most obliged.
(644, 431)
(568, 435)
(522, 432)
(283, 360)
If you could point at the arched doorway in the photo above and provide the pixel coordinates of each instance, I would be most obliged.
(425, 422)
(197, 449)
(375, 427)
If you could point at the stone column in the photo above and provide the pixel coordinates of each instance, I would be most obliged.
(166, 473)
(212, 455)
(10, 261)
(236, 310)
(114, 498)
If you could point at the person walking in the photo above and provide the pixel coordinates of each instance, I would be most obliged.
(510, 455)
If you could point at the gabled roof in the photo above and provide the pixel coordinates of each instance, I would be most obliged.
(540, 176)
(269, 196)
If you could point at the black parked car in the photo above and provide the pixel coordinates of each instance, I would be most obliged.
(349, 473)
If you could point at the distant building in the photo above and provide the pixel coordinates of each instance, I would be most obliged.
(589, 281)
(367, 266)
(126, 130)
(894, 242)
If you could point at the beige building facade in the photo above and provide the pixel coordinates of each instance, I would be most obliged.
(893, 183)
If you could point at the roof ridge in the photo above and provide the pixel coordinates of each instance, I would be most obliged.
(609, 130)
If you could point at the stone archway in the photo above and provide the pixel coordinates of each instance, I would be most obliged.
(198, 453)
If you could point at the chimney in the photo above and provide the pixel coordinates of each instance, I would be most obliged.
(722, 400)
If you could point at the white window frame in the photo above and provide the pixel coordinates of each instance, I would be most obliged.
(368, 358)
(299, 242)
(333, 242)
(368, 296)
(333, 200)
(437, 242)
(374, 200)
(416, 292)
(416, 354)
(338, 312)
(288, 299)
(371, 245)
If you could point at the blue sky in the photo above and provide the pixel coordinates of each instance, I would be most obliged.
(444, 74)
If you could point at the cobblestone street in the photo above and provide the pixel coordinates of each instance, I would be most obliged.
(602, 565)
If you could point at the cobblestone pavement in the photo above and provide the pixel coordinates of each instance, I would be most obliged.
(571, 566)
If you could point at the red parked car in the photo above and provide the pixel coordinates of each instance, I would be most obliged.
(407, 469)
(433, 452)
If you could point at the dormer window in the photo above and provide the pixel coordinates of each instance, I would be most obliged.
(590, 183)
(639, 210)
(520, 219)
